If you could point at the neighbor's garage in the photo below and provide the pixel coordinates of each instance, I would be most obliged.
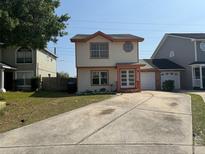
(175, 76)
(148, 81)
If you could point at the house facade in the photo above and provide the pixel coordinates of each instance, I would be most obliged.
(107, 62)
(19, 64)
(188, 51)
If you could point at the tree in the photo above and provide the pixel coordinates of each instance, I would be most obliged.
(30, 22)
(62, 75)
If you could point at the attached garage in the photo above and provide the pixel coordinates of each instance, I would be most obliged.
(148, 81)
(156, 71)
(171, 75)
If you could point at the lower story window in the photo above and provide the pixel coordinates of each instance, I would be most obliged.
(99, 77)
(24, 78)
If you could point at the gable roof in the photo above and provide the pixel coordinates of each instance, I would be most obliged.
(189, 35)
(162, 64)
(111, 37)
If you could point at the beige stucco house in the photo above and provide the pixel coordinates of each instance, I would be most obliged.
(107, 61)
(19, 64)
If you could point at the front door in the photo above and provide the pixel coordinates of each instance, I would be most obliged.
(8, 80)
(203, 77)
(128, 78)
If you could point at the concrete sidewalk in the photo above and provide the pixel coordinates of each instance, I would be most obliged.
(147, 122)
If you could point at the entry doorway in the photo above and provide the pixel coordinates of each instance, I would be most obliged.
(9, 80)
(128, 78)
(203, 77)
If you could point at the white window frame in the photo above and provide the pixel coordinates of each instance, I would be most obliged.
(99, 78)
(16, 52)
(127, 78)
(99, 51)
(194, 80)
(24, 78)
(171, 54)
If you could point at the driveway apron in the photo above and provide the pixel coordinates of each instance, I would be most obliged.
(146, 122)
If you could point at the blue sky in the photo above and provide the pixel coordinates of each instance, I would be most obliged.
(145, 18)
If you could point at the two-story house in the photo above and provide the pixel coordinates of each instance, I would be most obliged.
(107, 61)
(18, 65)
(187, 50)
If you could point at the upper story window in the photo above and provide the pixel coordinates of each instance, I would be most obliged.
(202, 46)
(99, 50)
(171, 54)
(128, 46)
(24, 55)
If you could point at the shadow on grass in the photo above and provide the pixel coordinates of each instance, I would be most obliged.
(51, 94)
(57, 94)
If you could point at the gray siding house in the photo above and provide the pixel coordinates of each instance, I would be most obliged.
(188, 51)
(19, 64)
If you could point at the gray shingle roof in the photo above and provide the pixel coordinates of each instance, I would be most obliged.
(124, 36)
(113, 36)
(160, 64)
(198, 62)
(190, 35)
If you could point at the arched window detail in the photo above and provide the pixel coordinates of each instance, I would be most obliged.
(171, 54)
(24, 55)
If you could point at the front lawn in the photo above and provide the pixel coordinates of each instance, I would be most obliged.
(24, 108)
(198, 118)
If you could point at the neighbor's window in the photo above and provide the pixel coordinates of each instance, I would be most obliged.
(24, 78)
(24, 55)
(99, 50)
(99, 77)
(197, 73)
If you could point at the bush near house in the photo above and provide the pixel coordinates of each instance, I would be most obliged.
(168, 85)
(35, 83)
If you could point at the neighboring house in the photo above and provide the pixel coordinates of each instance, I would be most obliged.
(187, 50)
(107, 62)
(19, 65)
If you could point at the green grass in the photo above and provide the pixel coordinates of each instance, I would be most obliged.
(198, 118)
(24, 108)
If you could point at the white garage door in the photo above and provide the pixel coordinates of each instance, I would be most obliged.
(148, 81)
(171, 76)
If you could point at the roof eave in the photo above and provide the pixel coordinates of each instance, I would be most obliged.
(73, 39)
(50, 53)
(173, 69)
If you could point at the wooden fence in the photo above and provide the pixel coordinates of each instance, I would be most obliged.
(54, 83)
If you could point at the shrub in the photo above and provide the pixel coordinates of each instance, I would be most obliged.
(103, 90)
(35, 83)
(168, 85)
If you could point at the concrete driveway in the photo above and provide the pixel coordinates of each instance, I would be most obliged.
(145, 123)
